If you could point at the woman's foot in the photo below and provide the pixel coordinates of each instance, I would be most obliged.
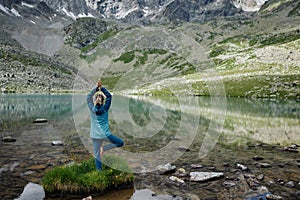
(101, 151)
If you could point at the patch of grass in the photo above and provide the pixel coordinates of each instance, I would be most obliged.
(111, 81)
(217, 51)
(126, 57)
(84, 178)
(295, 11)
(102, 37)
(262, 86)
(280, 38)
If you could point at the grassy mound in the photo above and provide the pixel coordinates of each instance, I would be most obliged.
(83, 178)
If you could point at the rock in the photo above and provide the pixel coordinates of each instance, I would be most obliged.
(204, 176)
(175, 179)
(183, 148)
(196, 166)
(40, 120)
(167, 168)
(290, 184)
(260, 177)
(229, 184)
(273, 197)
(257, 158)
(263, 165)
(242, 167)
(32, 191)
(211, 168)
(87, 198)
(37, 167)
(249, 175)
(181, 170)
(57, 143)
(8, 139)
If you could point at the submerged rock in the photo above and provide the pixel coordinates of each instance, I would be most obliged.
(8, 139)
(257, 158)
(229, 184)
(205, 176)
(263, 165)
(40, 120)
(57, 143)
(290, 184)
(242, 167)
(273, 197)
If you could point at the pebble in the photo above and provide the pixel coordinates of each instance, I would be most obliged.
(242, 167)
(263, 165)
(229, 184)
(290, 184)
(273, 197)
(260, 177)
(257, 158)
(183, 148)
(196, 166)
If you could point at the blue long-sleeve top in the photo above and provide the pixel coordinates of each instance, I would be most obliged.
(99, 115)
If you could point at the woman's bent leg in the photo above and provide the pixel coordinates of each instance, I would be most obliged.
(97, 143)
(116, 142)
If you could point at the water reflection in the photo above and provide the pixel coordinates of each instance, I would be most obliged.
(17, 107)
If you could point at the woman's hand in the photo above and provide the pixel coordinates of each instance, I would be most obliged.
(99, 84)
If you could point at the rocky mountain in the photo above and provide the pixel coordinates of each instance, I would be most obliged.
(128, 10)
(121, 42)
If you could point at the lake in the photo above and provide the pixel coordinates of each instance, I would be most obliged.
(155, 130)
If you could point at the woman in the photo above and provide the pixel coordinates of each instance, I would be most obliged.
(100, 131)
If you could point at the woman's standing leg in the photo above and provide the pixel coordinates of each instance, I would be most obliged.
(97, 143)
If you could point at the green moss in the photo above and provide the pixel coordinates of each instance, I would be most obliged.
(126, 57)
(84, 178)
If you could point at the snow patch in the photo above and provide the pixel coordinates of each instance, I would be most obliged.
(122, 14)
(32, 22)
(4, 9)
(85, 15)
(27, 5)
(249, 5)
(70, 14)
(15, 12)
